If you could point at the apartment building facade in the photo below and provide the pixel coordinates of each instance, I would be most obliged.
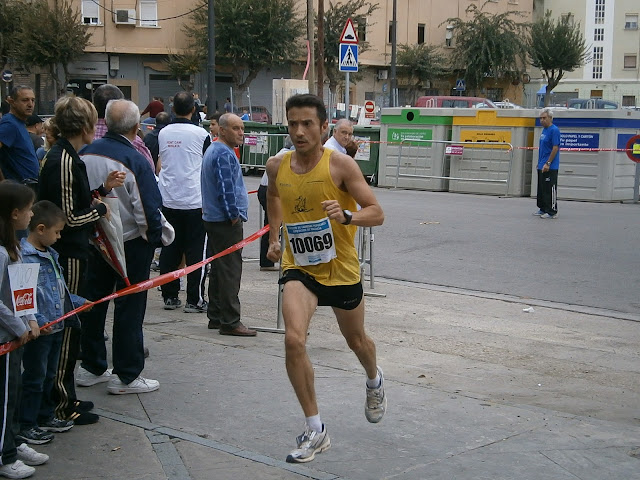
(130, 39)
(611, 31)
(418, 22)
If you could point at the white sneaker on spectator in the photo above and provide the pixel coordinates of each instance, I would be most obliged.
(139, 385)
(85, 378)
(30, 457)
(16, 469)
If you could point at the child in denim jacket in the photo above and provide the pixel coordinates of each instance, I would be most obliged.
(40, 360)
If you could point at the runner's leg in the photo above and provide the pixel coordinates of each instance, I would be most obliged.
(298, 306)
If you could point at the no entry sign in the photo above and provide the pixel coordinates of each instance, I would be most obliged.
(369, 109)
(633, 148)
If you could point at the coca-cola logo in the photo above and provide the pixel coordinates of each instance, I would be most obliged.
(23, 299)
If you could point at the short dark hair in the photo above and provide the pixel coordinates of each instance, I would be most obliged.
(163, 118)
(308, 100)
(183, 103)
(15, 91)
(103, 94)
(46, 213)
(216, 116)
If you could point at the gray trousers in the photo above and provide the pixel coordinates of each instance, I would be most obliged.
(225, 274)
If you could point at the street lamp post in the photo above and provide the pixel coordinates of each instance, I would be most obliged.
(394, 38)
(211, 61)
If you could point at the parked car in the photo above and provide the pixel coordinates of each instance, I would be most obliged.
(507, 104)
(436, 101)
(258, 113)
(592, 103)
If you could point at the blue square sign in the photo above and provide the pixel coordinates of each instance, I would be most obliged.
(348, 57)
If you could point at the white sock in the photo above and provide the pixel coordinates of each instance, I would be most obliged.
(374, 382)
(315, 423)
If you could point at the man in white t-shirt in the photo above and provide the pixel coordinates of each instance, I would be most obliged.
(181, 148)
(342, 135)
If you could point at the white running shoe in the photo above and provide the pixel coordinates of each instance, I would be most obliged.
(16, 469)
(376, 404)
(30, 457)
(309, 443)
(139, 385)
(84, 378)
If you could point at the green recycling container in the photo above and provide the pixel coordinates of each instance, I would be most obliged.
(368, 156)
(261, 141)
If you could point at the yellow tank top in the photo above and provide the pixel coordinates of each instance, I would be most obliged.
(307, 229)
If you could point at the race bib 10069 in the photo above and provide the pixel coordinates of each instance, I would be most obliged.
(311, 243)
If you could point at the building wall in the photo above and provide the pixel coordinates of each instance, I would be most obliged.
(617, 83)
(131, 55)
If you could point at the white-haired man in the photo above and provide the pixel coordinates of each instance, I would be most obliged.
(140, 204)
(342, 135)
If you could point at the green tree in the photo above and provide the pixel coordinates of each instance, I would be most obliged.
(335, 17)
(421, 64)
(250, 35)
(489, 46)
(556, 47)
(183, 67)
(50, 37)
(10, 12)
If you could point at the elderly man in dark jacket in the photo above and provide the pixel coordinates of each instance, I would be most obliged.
(139, 202)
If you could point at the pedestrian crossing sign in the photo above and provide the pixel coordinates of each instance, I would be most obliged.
(348, 57)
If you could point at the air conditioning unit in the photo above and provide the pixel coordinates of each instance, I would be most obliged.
(125, 17)
(383, 74)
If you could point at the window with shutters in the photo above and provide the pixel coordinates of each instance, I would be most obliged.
(148, 13)
(90, 12)
(630, 61)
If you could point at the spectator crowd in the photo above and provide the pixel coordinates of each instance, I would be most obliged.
(87, 199)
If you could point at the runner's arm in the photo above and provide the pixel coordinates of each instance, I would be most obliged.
(274, 209)
(348, 176)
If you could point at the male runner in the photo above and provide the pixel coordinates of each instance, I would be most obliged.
(314, 192)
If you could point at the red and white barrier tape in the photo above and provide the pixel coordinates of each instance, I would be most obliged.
(145, 285)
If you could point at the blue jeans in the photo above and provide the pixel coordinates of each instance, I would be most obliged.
(40, 362)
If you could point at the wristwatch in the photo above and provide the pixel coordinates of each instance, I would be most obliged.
(548, 164)
(347, 217)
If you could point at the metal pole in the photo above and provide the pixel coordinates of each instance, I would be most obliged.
(211, 61)
(231, 98)
(320, 59)
(312, 48)
(346, 96)
(250, 109)
(280, 319)
(394, 40)
(636, 184)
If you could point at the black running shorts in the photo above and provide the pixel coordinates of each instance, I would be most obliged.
(346, 297)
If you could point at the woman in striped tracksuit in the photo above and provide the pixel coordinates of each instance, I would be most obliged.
(63, 181)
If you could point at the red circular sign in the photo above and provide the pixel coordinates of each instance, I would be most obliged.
(632, 141)
(369, 106)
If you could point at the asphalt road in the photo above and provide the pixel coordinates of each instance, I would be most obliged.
(587, 257)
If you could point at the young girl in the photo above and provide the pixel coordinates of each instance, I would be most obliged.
(15, 213)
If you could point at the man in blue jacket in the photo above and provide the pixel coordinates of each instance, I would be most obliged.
(224, 209)
(139, 203)
(548, 164)
(18, 159)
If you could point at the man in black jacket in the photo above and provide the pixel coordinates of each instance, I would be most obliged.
(151, 139)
